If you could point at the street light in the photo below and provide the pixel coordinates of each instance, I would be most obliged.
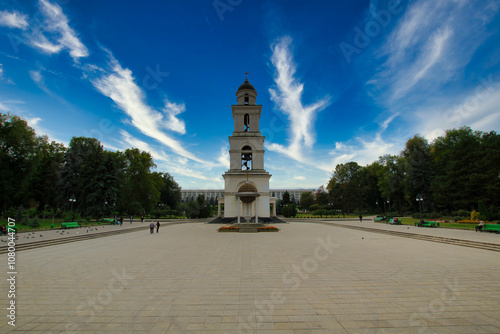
(389, 202)
(342, 205)
(104, 211)
(419, 199)
(72, 199)
(378, 209)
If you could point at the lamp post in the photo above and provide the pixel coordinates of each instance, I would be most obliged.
(378, 209)
(72, 199)
(342, 205)
(330, 205)
(104, 211)
(419, 199)
(389, 202)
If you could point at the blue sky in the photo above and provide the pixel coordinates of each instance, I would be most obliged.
(338, 81)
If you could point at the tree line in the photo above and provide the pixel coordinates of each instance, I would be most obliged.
(458, 171)
(83, 178)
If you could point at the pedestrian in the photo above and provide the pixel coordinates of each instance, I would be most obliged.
(142, 219)
(121, 221)
(157, 226)
(131, 218)
(151, 227)
(360, 218)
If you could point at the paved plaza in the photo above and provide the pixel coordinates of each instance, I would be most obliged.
(307, 278)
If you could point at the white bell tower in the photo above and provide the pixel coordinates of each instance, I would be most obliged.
(246, 190)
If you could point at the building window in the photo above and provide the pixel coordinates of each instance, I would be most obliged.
(246, 100)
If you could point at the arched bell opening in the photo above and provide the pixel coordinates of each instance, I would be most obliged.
(246, 158)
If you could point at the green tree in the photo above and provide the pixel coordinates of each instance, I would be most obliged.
(391, 181)
(306, 200)
(321, 197)
(457, 183)
(140, 185)
(170, 192)
(286, 198)
(19, 146)
(419, 171)
(345, 187)
(289, 210)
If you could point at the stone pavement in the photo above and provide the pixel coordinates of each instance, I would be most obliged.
(307, 278)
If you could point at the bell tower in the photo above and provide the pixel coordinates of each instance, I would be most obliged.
(246, 155)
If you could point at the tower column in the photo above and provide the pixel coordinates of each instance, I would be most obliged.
(256, 210)
(239, 209)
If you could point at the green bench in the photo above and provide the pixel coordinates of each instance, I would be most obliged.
(110, 221)
(395, 222)
(426, 223)
(9, 229)
(489, 228)
(382, 218)
(70, 225)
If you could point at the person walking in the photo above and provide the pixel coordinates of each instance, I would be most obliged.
(142, 219)
(131, 218)
(360, 218)
(151, 228)
(121, 221)
(157, 226)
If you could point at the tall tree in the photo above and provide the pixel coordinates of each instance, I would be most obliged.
(306, 200)
(19, 146)
(419, 170)
(456, 156)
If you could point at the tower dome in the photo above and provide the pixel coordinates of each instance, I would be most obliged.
(246, 85)
(246, 94)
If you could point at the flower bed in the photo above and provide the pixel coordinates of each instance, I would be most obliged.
(268, 229)
(468, 221)
(228, 228)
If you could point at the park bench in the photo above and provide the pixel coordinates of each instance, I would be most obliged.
(489, 228)
(379, 218)
(110, 221)
(70, 225)
(10, 229)
(394, 222)
(426, 223)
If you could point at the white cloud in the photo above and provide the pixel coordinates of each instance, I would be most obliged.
(36, 76)
(3, 107)
(13, 19)
(173, 123)
(63, 36)
(177, 166)
(287, 96)
(120, 86)
(223, 158)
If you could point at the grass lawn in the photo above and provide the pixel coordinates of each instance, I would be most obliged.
(411, 221)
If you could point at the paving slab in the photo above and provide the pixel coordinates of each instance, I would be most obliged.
(307, 278)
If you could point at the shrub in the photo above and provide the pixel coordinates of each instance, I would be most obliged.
(474, 215)
(289, 210)
(457, 218)
(34, 223)
(463, 213)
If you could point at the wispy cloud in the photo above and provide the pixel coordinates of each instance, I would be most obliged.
(55, 34)
(173, 123)
(13, 19)
(119, 85)
(426, 55)
(287, 96)
(176, 165)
